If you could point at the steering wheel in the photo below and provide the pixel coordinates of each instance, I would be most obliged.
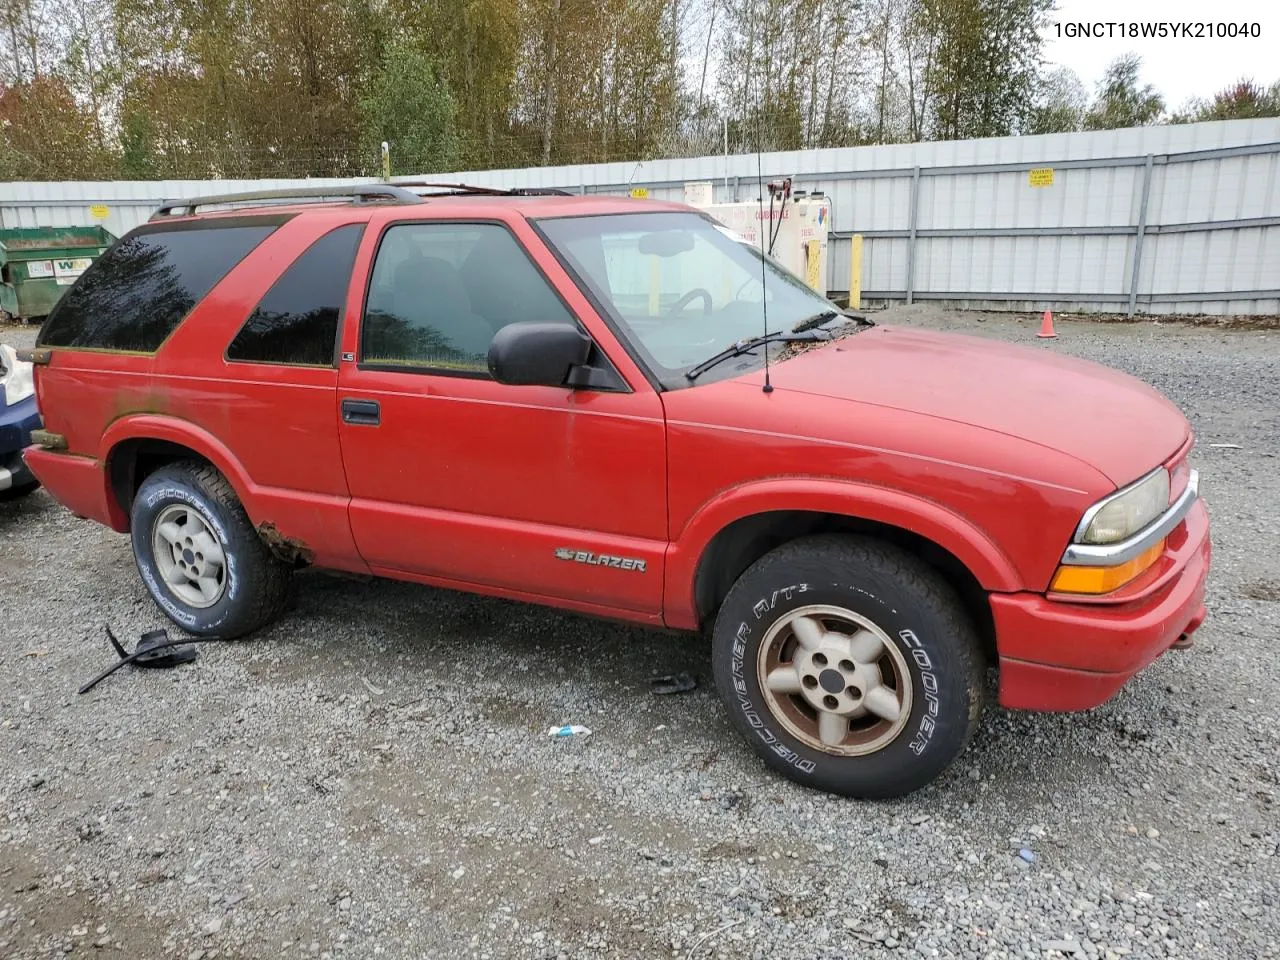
(756, 281)
(689, 297)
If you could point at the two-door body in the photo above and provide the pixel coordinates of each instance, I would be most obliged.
(632, 500)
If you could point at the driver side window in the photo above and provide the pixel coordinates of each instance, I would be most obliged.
(440, 291)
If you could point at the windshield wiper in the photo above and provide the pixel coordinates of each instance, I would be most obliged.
(826, 316)
(746, 346)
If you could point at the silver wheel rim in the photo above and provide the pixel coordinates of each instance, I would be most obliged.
(835, 680)
(191, 560)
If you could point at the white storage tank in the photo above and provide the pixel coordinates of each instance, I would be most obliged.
(798, 227)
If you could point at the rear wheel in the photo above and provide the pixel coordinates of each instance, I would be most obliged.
(849, 666)
(199, 556)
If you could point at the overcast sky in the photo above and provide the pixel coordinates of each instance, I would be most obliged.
(1179, 68)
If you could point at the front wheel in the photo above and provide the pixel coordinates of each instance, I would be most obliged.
(199, 556)
(849, 666)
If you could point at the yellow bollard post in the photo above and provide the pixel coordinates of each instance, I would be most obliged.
(655, 284)
(855, 273)
(813, 265)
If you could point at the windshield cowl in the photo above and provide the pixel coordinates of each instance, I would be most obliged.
(762, 342)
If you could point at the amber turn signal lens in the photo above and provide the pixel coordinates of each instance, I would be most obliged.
(1100, 580)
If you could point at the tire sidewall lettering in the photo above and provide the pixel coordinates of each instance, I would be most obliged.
(154, 500)
(920, 619)
(754, 714)
(767, 604)
(764, 612)
(161, 595)
(929, 687)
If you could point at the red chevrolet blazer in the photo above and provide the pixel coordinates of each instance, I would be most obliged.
(621, 408)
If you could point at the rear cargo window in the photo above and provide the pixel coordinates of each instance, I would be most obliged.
(136, 294)
(297, 321)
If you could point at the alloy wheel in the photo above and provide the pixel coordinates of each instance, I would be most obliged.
(835, 680)
(189, 556)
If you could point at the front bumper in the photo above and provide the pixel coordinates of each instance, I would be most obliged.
(1063, 656)
(16, 423)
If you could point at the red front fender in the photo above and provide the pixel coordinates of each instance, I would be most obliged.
(988, 564)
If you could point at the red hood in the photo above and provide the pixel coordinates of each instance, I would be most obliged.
(1109, 420)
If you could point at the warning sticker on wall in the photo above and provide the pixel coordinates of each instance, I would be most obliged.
(640, 193)
(99, 211)
(1041, 177)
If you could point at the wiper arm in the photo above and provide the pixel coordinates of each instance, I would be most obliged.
(826, 316)
(815, 321)
(746, 346)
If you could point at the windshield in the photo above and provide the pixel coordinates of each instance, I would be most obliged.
(682, 286)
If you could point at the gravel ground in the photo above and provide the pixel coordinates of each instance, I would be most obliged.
(372, 776)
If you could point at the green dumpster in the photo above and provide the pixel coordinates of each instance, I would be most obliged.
(38, 264)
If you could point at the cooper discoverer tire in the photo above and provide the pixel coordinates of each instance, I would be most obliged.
(199, 556)
(849, 665)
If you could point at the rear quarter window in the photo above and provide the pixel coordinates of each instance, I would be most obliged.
(143, 287)
(297, 321)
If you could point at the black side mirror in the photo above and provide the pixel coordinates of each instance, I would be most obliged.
(537, 354)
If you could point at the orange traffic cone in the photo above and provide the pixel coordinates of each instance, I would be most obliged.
(1046, 326)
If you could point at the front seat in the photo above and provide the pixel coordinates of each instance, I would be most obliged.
(431, 296)
(497, 274)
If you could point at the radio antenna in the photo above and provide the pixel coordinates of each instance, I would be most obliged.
(764, 228)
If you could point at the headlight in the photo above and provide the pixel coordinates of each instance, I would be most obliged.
(17, 379)
(1123, 514)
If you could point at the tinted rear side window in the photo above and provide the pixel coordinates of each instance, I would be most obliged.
(297, 321)
(136, 294)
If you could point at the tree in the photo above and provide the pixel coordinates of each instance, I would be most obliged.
(1242, 100)
(90, 63)
(1060, 103)
(1121, 101)
(243, 87)
(985, 63)
(635, 78)
(46, 135)
(309, 60)
(409, 107)
(920, 53)
(759, 81)
(597, 81)
(25, 33)
(829, 39)
(138, 154)
(789, 71)
(475, 45)
(296, 88)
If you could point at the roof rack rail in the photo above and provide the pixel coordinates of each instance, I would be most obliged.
(487, 191)
(363, 192)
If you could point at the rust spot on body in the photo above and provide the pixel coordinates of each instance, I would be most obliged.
(50, 441)
(287, 549)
